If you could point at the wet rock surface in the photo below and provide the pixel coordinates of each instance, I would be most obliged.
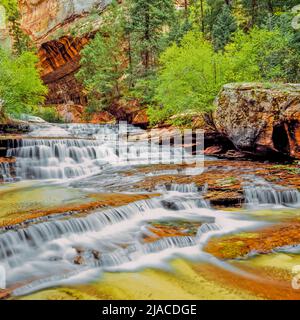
(257, 242)
(140, 215)
(224, 180)
(14, 128)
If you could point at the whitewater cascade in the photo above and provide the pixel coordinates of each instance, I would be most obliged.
(261, 192)
(112, 239)
(78, 150)
(5, 171)
(63, 249)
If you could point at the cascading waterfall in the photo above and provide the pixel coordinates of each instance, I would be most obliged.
(6, 171)
(265, 193)
(81, 150)
(37, 234)
(59, 159)
(183, 188)
(62, 247)
(115, 233)
(108, 131)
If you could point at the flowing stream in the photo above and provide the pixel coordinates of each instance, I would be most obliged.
(49, 252)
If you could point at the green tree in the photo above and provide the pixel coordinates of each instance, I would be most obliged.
(223, 28)
(103, 62)
(21, 88)
(149, 22)
(257, 56)
(258, 11)
(190, 78)
(213, 9)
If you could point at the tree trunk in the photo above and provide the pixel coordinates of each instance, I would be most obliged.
(147, 38)
(202, 16)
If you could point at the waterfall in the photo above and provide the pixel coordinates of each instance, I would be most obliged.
(62, 247)
(182, 188)
(207, 227)
(48, 249)
(262, 192)
(169, 242)
(59, 158)
(35, 235)
(71, 151)
(6, 169)
(107, 131)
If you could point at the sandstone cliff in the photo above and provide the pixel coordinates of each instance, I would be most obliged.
(5, 41)
(260, 119)
(60, 28)
(42, 18)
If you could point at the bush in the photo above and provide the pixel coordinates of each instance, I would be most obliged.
(21, 88)
(191, 76)
(48, 114)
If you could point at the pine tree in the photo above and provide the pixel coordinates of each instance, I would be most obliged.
(102, 61)
(223, 29)
(148, 21)
(257, 10)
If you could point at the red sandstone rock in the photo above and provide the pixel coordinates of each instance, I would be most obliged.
(103, 117)
(50, 24)
(4, 294)
(70, 112)
(259, 119)
(59, 61)
(213, 150)
(141, 118)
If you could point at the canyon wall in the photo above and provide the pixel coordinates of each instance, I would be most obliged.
(41, 18)
(5, 41)
(60, 28)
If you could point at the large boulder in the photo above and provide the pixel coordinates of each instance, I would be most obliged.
(260, 119)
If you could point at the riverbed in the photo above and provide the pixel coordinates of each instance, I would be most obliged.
(86, 215)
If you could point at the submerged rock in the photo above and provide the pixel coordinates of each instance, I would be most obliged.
(261, 120)
(79, 260)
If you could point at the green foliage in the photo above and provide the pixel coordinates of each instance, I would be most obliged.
(258, 11)
(20, 84)
(257, 56)
(49, 114)
(174, 61)
(147, 25)
(101, 62)
(21, 41)
(11, 8)
(144, 90)
(225, 25)
(192, 73)
(190, 78)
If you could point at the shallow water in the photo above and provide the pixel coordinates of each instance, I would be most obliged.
(75, 162)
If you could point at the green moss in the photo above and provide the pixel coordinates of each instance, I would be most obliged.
(228, 181)
(291, 169)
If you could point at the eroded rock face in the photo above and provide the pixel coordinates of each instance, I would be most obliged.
(58, 27)
(70, 112)
(259, 119)
(59, 60)
(42, 17)
(5, 40)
